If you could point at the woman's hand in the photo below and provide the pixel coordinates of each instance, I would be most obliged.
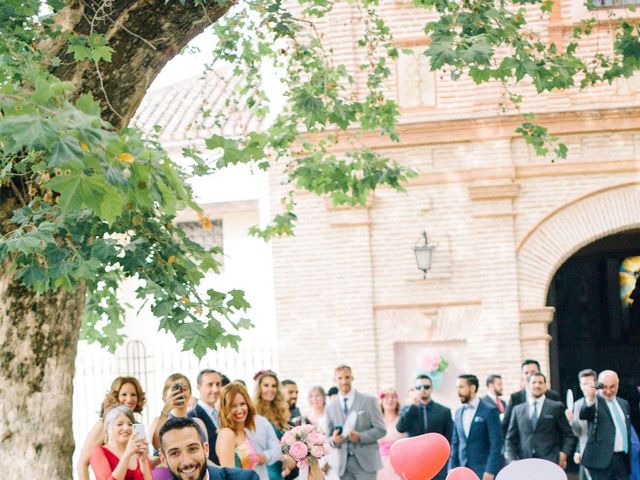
(174, 398)
(136, 445)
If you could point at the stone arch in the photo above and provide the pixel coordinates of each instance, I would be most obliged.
(565, 231)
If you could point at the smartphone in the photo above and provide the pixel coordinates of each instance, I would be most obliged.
(177, 387)
(139, 429)
(338, 428)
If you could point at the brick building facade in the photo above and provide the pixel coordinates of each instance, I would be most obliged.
(503, 221)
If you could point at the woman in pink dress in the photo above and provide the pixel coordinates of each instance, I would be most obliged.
(390, 409)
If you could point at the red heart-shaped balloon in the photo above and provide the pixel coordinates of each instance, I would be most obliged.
(421, 457)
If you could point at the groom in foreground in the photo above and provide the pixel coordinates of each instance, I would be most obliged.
(184, 452)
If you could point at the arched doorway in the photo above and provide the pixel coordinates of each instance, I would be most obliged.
(595, 324)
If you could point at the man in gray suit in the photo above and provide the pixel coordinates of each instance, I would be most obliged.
(539, 427)
(580, 428)
(358, 451)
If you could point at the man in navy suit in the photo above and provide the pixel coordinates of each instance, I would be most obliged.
(209, 385)
(426, 417)
(477, 436)
(185, 454)
(606, 453)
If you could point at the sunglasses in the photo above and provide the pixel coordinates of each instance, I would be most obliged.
(423, 387)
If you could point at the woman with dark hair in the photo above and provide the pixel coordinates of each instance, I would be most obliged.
(390, 406)
(124, 454)
(270, 403)
(124, 391)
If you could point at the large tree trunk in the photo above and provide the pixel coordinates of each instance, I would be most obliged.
(39, 337)
(39, 333)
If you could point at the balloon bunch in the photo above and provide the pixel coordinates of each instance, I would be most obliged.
(422, 457)
(431, 362)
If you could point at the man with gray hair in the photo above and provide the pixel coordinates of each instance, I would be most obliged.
(606, 453)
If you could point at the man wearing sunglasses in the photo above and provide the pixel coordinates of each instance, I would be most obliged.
(426, 417)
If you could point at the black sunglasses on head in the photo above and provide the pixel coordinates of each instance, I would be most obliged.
(423, 387)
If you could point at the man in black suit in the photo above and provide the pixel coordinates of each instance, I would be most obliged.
(606, 453)
(528, 367)
(494, 392)
(539, 427)
(185, 454)
(209, 385)
(426, 417)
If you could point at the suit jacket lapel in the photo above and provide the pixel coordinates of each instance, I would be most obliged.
(355, 406)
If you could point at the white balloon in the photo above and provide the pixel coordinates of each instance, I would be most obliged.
(532, 469)
(570, 400)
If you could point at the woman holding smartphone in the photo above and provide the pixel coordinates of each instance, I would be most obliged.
(124, 391)
(124, 455)
(175, 394)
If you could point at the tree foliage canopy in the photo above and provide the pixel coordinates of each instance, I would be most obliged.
(84, 203)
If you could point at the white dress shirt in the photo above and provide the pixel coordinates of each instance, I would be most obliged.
(468, 412)
(350, 398)
(539, 400)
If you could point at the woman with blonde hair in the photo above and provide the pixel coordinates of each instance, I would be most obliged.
(390, 406)
(270, 403)
(124, 391)
(176, 394)
(124, 455)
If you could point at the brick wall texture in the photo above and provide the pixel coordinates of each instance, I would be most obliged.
(502, 219)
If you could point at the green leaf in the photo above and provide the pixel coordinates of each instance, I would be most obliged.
(79, 191)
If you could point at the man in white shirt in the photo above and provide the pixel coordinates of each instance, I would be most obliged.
(606, 453)
(477, 436)
(494, 392)
(209, 386)
(361, 415)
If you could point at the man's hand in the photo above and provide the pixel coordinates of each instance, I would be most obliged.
(563, 461)
(577, 458)
(569, 414)
(337, 437)
(488, 476)
(354, 437)
(590, 393)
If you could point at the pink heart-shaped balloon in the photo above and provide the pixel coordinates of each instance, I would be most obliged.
(421, 457)
(462, 473)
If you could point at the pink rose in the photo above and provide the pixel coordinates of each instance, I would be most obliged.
(308, 428)
(315, 438)
(317, 451)
(298, 450)
(288, 438)
(428, 359)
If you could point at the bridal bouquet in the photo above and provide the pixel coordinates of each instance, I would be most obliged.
(306, 445)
